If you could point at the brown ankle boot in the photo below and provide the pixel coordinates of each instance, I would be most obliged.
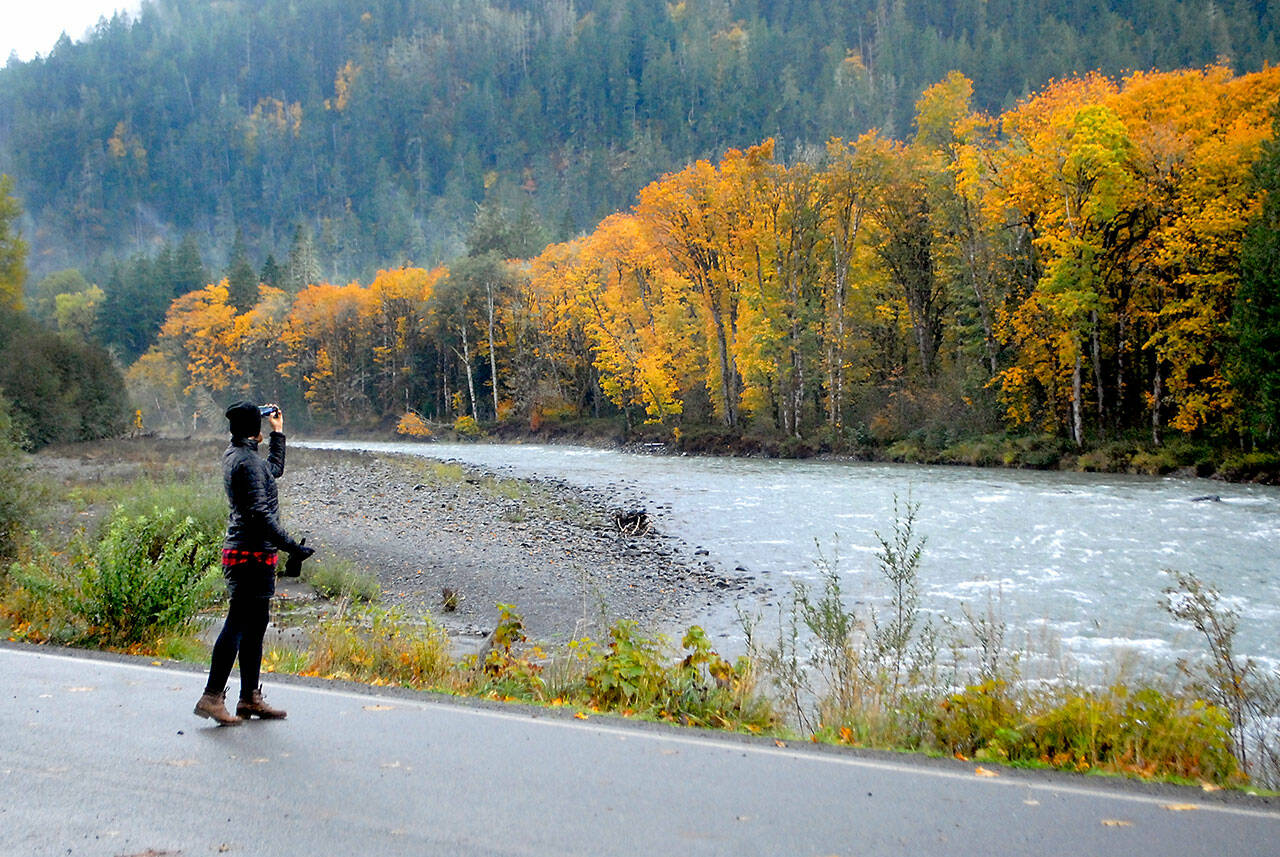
(214, 706)
(256, 706)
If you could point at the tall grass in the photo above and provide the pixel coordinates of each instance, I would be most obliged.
(377, 645)
(1249, 696)
(878, 678)
(336, 578)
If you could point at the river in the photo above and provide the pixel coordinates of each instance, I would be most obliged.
(1071, 562)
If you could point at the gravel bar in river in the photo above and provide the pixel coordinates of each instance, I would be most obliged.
(550, 549)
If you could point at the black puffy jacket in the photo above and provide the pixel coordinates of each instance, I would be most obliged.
(250, 483)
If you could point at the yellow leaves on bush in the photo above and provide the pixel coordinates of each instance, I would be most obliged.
(413, 425)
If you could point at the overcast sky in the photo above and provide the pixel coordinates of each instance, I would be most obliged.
(31, 27)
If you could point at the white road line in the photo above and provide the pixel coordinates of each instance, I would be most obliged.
(710, 741)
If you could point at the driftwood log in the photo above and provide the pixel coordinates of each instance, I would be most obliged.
(632, 522)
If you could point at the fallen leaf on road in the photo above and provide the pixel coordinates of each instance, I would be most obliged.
(1180, 807)
(379, 707)
(1210, 787)
(780, 743)
(983, 772)
(1115, 822)
(579, 715)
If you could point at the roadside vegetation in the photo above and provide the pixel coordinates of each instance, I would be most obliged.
(140, 574)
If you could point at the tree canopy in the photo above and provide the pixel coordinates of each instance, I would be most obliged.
(1093, 262)
(378, 126)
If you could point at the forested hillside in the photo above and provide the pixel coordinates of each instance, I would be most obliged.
(861, 225)
(376, 126)
(1088, 266)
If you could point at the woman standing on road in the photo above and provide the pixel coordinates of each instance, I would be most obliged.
(254, 535)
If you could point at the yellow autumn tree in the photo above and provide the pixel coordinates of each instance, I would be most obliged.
(1197, 134)
(688, 217)
(1062, 172)
(554, 370)
(636, 314)
(330, 349)
(399, 310)
(201, 326)
(259, 339)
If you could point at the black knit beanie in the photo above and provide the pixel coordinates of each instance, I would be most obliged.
(245, 419)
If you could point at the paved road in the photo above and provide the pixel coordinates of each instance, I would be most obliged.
(102, 756)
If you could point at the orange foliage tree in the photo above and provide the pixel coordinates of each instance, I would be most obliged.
(1075, 259)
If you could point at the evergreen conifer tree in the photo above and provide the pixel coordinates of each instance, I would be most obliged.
(271, 273)
(303, 269)
(242, 282)
(1256, 319)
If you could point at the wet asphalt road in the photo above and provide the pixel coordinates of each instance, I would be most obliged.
(102, 756)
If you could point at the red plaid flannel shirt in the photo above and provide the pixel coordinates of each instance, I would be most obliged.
(233, 557)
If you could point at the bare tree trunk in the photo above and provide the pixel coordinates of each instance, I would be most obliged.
(836, 356)
(1157, 392)
(493, 360)
(1122, 346)
(727, 379)
(471, 381)
(1097, 368)
(446, 405)
(1077, 409)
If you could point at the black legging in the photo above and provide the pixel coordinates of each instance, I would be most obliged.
(242, 634)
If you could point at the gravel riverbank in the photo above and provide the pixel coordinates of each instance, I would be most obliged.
(550, 549)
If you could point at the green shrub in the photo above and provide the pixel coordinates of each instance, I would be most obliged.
(633, 675)
(1038, 452)
(509, 670)
(1252, 467)
(985, 451)
(335, 578)
(1113, 457)
(629, 672)
(1155, 462)
(709, 691)
(1145, 732)
(466, 427)
(909, 451)
(980, 717)
(151, 575)
(39, 590)
(18, 491)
